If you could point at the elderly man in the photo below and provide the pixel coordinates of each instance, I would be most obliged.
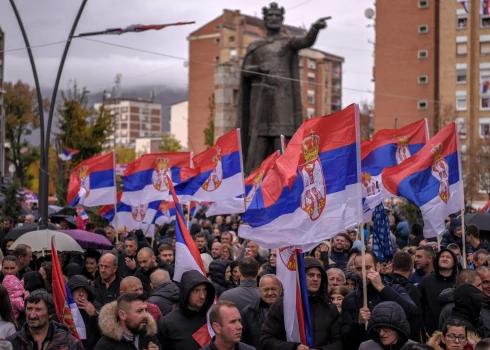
(254, 315)
(29, 219)
(165, 293)
(107, 284)
(335, 278)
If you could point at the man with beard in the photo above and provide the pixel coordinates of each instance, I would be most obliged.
(216, 250)
(148, 263)
(39, 332)
(127, 324)
(338, 254)
(106, 286)
(424, 263)
(166, 253)
(131, 285)
(128, 263)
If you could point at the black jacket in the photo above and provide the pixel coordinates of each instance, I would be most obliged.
(325, 320)
(144, 276)
(217, 270)
(430, 287)
(253, 318)
(468, 301)
(239, 346)
(353, 333)
(113, 338)
(105, 295)
(165, 297)
(446, 302)
(176, 329)
(91, 322)
(123, 270)
(340, 259)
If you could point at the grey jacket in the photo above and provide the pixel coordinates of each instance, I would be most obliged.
(372, 345)
(6, 328)
(239, 346)
(245, 294)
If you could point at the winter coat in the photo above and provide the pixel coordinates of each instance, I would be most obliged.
(6, 328)
(144, 276)
(340, 259)
(253, 318)
(175, 330)
(353, 333)
(105, 295)
(435, 341)
(243, 295)
(402, 233)
(165, 297)
(113, 337)
(430, 287)
(418, 232)
(268, 270)
(387, 314)
(448, 237)
(468, 301)
(217, 270)
(325, 320)
(446, 302)
(122, 269)
(58, 335)
(16, 294)
(485, 317)
(91, 322)
(239, 346)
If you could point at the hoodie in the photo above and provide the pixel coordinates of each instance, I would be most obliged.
(176, 330)
(448, 237)
(16, 293)
(430, 288)
(468, 302)
(217, 272)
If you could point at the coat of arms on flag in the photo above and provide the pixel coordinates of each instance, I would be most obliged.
(139, 212)
(83, 180)
(371, 185)
(216, 177)
(288, 257)
(402, 150)
(159, 176)
(440, 170)
(257, 181)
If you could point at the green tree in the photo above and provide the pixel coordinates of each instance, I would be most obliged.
(81, 128)
(170, 144)
(22, 118)
(412, 212)
(366, 114)
(12, 207)
(209, 131)
(124, 155)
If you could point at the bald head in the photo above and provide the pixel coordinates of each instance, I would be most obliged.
(158, 278)
(131, 284)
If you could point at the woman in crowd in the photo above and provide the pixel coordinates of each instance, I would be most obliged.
(227, 253)
(8, 323)
(46, 272)
(235, 273)
(337, 294)
(219, 275)
(455, 336)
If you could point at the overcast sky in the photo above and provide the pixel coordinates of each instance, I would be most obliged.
(95, 65)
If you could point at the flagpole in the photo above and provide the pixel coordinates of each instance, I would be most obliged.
(189, 217)
(115, 194)
(241, 165)
(464, 238)
(364, 281)
(461, 188)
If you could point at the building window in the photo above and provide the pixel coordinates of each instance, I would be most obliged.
(484, 128)
(124, 133)
(216, 59)
(484, 103)
(231, 39)
(485, 48)
(311, 97)
(124, 117)
(217, 27)
(310, 113)
(216, 41)
(461, 103)
(311, 64)
(124, 109)
(424, 28)
(326, 66)
(423, 104)
(233, 53)
(462, 21)
(423, 54)
(326, 100)
(235, 97)
(461, 49)
(311, 81)
(423, 4)
(326, 83)
(461, 75)
(461, 125)
(484, 186)
(485, 21)
(423, 79)
(300, 62)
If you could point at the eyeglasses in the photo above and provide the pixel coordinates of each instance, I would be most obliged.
(452, 336)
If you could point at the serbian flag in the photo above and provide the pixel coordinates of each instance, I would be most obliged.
(145, 179)
(66, 308)
(236, 205)
(218, 172)
(166, 213)
(120, 169)
(291, 273)
(431, 179)
(137, 217)
(107, 211)
(387, 148)
(82, 218)
(313, 191)
(92, 182)
(68, 154)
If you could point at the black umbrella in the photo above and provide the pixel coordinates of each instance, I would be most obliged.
(16, 232)
(482, 221)
(57, 218)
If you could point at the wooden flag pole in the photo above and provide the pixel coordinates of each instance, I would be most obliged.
(464, 238)
(364, 281)
(115, 195)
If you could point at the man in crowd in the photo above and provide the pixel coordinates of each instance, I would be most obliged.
(424, 263)
(132, 284)
(270, 268)
(107, 284)
(8, 223)
(247, 292)
(457, 251)
(354, 315)
(89, 309)
(473, 236)
(180, 328)
(202, 244)
(148, 263)
(127, 324)
(480, 257)
(484, 273)
(338, 254)
(164, 292)
(166, 253)
(23, 253)
(227, 238)
(252, 250)
(254, 315)
(111, 234)
(454, 235)
(430, 286)
(226, 323)
(325, 320)
(335, 278)
(29, 219)
(39, 332)
(128, 263)
(216, 250)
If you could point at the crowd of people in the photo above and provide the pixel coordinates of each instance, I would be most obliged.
(421, 297)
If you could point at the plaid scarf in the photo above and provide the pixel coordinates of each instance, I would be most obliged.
(382, 246)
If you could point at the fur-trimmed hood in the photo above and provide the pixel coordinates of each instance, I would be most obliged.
(109, 326)
(435, 341)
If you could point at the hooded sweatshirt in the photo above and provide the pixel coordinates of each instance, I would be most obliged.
(217, 273)
(176, 330)
(468, 302)
(430, 288)
(449, 237)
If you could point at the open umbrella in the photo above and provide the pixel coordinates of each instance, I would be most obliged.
(40, 241)
(56, 219)
(89, 240)
(19, 231)
(480, 220)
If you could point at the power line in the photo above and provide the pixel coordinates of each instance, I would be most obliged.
(35, 46)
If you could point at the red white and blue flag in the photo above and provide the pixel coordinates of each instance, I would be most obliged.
(65, 306)
(314, 189)
(134, 28)
(92, 182)
(68, 154)
(236, 205)
(291, 273)
(120, 169)
(217, 172)
(431, 179)
(387, 148)
(166, 213)
(146, 181)
(484, 7)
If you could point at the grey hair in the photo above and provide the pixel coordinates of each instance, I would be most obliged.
(116, 260)
(269, 275)
(334, 269)
(156, 280)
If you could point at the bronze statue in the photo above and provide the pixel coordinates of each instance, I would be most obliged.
(270, 95)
